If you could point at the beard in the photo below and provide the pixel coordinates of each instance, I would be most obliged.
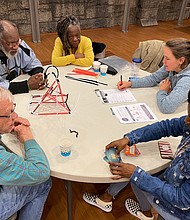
(8, 54)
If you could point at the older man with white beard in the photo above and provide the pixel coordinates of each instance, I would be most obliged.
(16, 58)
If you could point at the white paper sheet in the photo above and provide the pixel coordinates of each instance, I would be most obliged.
(116, 96)
(133, 113)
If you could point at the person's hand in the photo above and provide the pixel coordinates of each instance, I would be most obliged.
(154, 213)
(119, 144)
(19, 121)
(79, 55)
(165, 85)
(37, 81)
(121, 170)
(23, 133)
(123, 85)
(44, 84)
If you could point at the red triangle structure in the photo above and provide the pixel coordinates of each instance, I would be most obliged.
(52, 96)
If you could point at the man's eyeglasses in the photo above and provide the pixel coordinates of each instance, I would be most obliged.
(9, 116)
(12, 44)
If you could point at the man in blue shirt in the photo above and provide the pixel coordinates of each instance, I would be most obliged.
(17, 58)
(24, 182)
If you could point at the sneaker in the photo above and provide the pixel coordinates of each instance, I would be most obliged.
(134, 209)
(93, 199)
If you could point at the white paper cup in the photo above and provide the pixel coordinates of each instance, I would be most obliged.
(103, 70)
(96, 66)
(66, 147)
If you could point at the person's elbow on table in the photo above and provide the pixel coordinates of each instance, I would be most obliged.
(164, 103)
(166, 109)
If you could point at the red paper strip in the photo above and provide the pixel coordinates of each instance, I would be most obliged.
(85, 72)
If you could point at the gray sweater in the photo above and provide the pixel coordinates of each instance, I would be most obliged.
(180, 85)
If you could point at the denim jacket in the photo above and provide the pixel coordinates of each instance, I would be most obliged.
(172, 192)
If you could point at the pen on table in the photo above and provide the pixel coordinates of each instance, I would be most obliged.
(94, 82)
(81, 80)
(121, 80)
(105, 84)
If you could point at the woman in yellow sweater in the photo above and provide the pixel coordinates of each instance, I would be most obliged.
(70, 47)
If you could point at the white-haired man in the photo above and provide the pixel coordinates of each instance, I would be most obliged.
(24, 182)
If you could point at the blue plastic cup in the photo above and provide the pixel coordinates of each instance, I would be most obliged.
(65, 147)
(96, 66)
(103, 70)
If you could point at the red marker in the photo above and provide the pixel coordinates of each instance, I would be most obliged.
(121, 81)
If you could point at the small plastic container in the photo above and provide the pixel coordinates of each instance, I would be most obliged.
(96, 66)
(65, 147)
(103, 70)
(136, 63)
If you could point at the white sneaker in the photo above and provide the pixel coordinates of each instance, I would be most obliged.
(93, 199)
(134, 209)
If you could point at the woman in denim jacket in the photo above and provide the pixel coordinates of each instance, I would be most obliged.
(169, 194)
(173, 76)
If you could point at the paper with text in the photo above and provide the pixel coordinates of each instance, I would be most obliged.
(116, 96)
(133, 113)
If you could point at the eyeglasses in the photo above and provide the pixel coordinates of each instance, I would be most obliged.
(9, 116)
(12, 44)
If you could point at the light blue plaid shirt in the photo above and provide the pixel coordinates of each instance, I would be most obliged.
(15, 170)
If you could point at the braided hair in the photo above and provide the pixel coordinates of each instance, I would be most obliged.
(62, 30)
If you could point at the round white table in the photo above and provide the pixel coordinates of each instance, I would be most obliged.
(96, 127)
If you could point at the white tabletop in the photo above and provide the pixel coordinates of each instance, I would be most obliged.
(96, 126)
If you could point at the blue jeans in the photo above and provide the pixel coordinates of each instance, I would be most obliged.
(28, 200)
(115, 188)
(146, 201)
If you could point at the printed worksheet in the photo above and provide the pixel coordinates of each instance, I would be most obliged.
(133, 113)
(116, 96)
